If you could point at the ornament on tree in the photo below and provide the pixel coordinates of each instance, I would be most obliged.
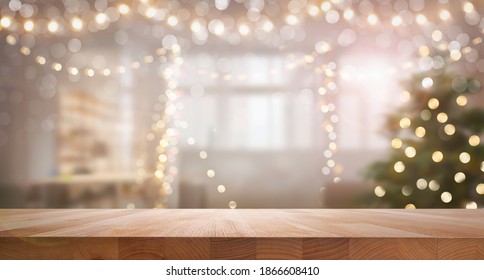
(437, 156)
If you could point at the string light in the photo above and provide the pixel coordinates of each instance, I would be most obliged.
(123, 9)
(379, 191)
(410, 152)
(474, 140)
(399, 167)
(397, 143)
(5, 22)
(53, 26)
(446, 197)
(437, 156)
(29, 26)
(77, 24)
(101, 18)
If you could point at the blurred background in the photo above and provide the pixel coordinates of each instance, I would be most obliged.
(240, 103)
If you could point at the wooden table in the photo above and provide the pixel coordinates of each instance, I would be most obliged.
(241, 234)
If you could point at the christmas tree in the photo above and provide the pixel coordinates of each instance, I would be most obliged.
(437, 156)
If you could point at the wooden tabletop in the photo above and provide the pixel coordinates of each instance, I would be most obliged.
(241, 234)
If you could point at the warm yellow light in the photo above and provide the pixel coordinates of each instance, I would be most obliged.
(442, 117)
(159, 174)
(172, 20)
(455, 55)
(203, 155)
(471, 205)
(101, 18)
(244, 29)
(379, 191)
(421, 19)
(405, 122)
(420, 132)
(474, 140)
(11, 40)
(444, 15)
(89, 72)
(410, 206)
(123, 9)
(313, 10)
(459, 177)
(427, 82)
(446, 197)
(468, 7)
(150, 12)
(434, 185)
(480, 188)
(348, 14)
(73, 71)
(325, 6)
(449, 129)
(232, 204)
(410, 152)
(221, 188)
(5, 22)
(461, 100)
(267, 26)
(29, 25)
(53, 26)
(405, 96)
(25, 50)
(40, 60)
(465, 157)
(433, 103)
(396, 21)
(399, 167)
(77, 24)
(437, 156)
(292, 19)
(423, 50)
(421, 184)
(437, 35)
(57, 66)
(372, 19)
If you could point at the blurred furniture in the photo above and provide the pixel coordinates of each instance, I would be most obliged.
(108, 190)
(346, 194)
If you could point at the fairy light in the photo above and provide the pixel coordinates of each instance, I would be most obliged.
(5, 22)
(53, 26)
(348, 14)
(399, 167)
(379, 191)
(29, 26)
(474, 140)
(421, 19)
(244, 30)
(396, 21)
(123, 9)
(397, 143)
(437, 156)
(101, 18)
(372, 19)
(444, 15)
(77, 24)
(446, 197)
(172, 21)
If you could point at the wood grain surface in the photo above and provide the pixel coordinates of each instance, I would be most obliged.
(241, 234)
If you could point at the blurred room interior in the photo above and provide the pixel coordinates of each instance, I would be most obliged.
(213, 104)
